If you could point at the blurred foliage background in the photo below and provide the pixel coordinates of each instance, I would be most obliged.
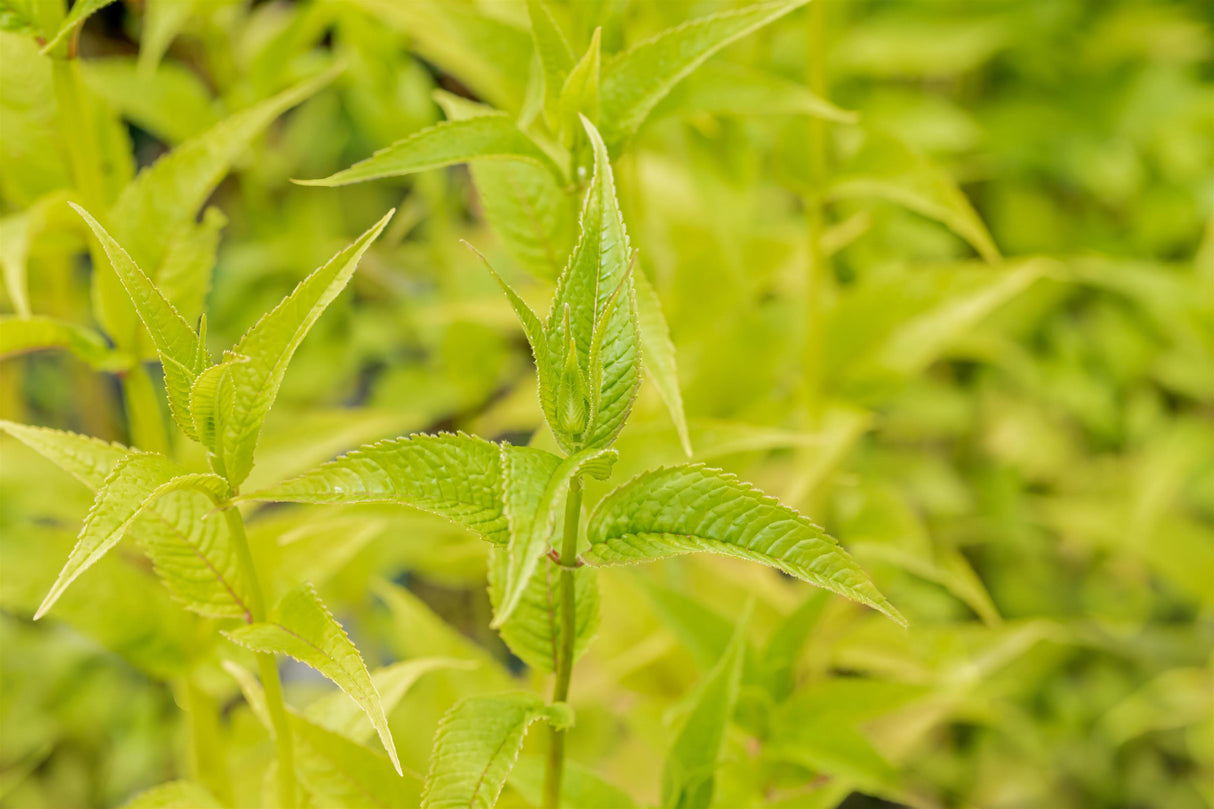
(995, 384)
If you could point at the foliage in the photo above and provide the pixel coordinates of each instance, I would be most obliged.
(937, 280)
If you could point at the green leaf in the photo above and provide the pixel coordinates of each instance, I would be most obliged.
(172, 103)
(489, 55)
(174, 795)
(595, 280)
(580, 92)
(162, 20)
(636, 80)
(691, 762)
(532, 513)
(817, 728)
(192, 553)
(337, 713)
(171, 191)
(133, 485)
(17, 233)
(189, 547)
(535, 631)
(89, 460)
(184, 275)
(580, 787)
(476, 746)
(261, 356)
(335, 770)
(484, 137)
(658, 352)
(726, 89)
(692, 508)
(176, 343)
(526, 204)
(301, 626)
(884, 167)
(22, 335)
(455, 476)
(533, 328)
(81, 10)
(556, 57)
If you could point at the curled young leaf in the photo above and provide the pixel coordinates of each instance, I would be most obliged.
(594, 303)
(265, 351)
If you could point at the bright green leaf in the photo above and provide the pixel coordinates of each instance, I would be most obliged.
(22, 335)
(81, 10)
(533, 518)
(263, 353)
(174, 338)
(636, 80)
(485, 137)
(174, 795)
(658, 352)
(134, 484)
(688, 509)
(598, 271)
(89, 460)
(477, 744)
(455, 476)
(691, 762)
(301, 626)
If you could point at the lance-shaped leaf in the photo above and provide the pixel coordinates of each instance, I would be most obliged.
(886, 168)
(580, 93)
(176, 343)
(534, 632)
(302, 627)
(484, 137)
(174, 795)
(533, 327)
(264, 353)
(80, 12)
(636, 80)
(725, 89)
(133, 485)
(658, 350)
(189, 547)
(556, 57)
(337, 713)
(455, 476)
(594, 296)
(89, 460)
(686, 509)
(489, 55)
(477, 744)
(526, 204)
(192, 553)
(691, 761)
(335, 770)
(23, 335)
(535, 491)
(170, 192)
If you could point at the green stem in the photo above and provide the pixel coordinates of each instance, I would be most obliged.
(267, 667)
(817, 271)
(145, 420)
(143, 411)
(564, 662)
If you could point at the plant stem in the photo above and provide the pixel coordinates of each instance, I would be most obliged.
(143, 411)
(144, 418)
(267, 667)
(564, 661)
(816, 274)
